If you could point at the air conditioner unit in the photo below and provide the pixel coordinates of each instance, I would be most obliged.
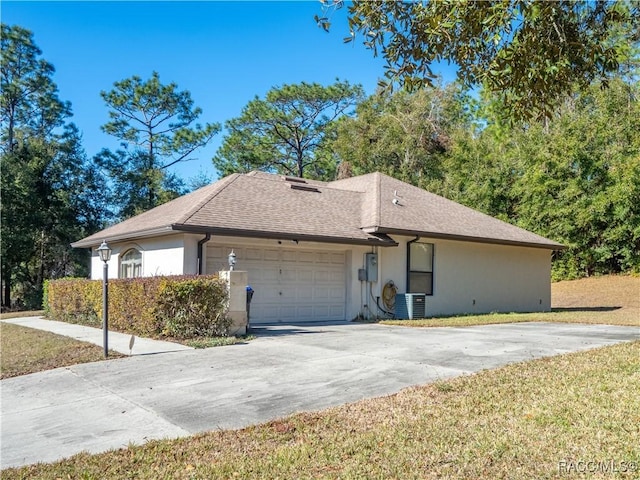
(410, 305)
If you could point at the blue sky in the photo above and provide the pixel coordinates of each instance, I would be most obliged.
(224, 53)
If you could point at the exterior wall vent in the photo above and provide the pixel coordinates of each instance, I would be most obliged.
(410, 306)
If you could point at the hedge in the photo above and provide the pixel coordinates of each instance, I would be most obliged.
(175, 306)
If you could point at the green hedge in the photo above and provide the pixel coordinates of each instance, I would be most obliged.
(176, 306)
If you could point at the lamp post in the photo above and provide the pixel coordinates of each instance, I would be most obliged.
(105, 255)
(232, 260)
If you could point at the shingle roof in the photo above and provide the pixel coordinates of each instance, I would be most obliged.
(359, 210)
(419, 212)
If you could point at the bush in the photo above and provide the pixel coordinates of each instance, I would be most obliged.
(193, 308)
(74, 300)
(178, 306)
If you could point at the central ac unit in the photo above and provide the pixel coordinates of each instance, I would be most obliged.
(410, 305)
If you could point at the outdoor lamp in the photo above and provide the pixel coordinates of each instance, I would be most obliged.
(105, 255)
(104, 252)
(232, 260)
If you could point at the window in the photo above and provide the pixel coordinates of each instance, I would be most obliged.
(131, 264)
(420, 268)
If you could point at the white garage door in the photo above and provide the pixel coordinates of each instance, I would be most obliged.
(290, 285)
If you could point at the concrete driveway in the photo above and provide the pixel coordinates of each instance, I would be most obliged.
(104, 405)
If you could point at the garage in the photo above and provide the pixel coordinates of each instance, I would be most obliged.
(291, 285)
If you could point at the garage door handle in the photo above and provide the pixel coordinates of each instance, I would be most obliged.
(279, 293)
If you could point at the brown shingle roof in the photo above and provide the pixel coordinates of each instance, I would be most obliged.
(403, 208)
(358, 210)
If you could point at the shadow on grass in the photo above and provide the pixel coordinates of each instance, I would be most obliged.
(585, 309)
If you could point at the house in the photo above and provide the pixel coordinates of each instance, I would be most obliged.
(319, 251)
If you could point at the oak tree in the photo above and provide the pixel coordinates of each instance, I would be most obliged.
(532, 52)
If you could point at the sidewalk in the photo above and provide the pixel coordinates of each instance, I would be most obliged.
(117, 341)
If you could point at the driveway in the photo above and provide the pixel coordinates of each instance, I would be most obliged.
(104, 405)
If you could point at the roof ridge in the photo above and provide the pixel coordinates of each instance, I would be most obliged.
(226, 181)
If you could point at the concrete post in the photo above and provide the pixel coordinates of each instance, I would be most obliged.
(237, 282)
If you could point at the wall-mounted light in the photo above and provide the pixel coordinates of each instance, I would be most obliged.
(232, 260)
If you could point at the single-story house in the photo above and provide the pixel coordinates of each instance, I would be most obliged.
(320, 251)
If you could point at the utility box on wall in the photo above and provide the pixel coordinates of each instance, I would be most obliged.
(371, 267)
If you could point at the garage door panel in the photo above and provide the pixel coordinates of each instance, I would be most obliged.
(306, 257)
(336, 294)
(321, 294)
(321, 276)
(289, 256)
(304, 293)
(305, 312)
(321, 311)
(336, 258)
(288, 275)
(270, 313)
(290, 285)
(305, 275)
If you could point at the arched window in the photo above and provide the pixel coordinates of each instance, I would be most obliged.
(131, 264)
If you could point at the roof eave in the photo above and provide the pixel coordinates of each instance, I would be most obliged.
(464, 238)
(152, 232)
(376, 239)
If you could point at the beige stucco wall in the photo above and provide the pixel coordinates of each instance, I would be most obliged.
(166, 255)
(497, 277)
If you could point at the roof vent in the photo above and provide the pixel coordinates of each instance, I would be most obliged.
(306, 188)
(294, 179)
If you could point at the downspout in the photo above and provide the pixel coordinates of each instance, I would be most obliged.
(206, 238)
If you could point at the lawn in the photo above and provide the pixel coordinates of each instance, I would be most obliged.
(20, 314)
(612, 300)
(26, 350)
(540, 419)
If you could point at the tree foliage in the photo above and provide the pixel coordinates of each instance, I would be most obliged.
(531, 52)
(574, 178)
(50, 193)
(287, 131)
(403, 134)
(157, 125)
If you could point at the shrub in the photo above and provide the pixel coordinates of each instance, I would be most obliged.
(74, 300)
(193, 307)
(178, 306)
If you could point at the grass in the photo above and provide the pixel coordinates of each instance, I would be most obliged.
(612, 300)
(21, 314)
(525, 420)
(26, 350)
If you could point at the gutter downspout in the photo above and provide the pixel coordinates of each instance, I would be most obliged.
(206, 238)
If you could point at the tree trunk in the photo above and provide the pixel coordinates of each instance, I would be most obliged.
(6, 285)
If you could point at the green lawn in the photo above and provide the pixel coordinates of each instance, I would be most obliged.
(528, 420)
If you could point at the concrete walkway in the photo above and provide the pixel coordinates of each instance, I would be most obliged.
(117, 341)
(111, 404)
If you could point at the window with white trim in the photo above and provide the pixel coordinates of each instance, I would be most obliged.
(420, 268)
(131, 264)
